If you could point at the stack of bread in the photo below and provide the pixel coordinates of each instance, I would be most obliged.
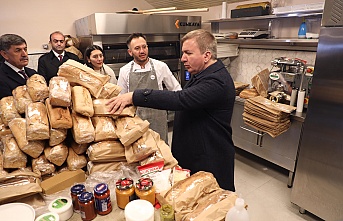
(267, 116)
(66, 125)
(198, 198)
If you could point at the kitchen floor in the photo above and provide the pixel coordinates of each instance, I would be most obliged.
(263, 186)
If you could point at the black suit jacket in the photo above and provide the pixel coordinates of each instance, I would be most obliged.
(10, 80)
(48, 64)
(202, 134)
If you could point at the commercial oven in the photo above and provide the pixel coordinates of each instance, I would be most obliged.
(110, 31)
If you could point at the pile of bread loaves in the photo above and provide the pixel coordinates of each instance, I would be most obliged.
(66, 125)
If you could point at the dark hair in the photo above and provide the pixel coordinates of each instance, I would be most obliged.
(88, 52)
(132, 36)
(56, 32)
(7, 40)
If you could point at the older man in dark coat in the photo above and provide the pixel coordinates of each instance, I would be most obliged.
(202, 134)
(13, 70)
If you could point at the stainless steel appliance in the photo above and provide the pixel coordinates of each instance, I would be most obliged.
(110, 31)
(318, 183)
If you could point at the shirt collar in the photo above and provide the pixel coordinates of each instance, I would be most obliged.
(13, 67)
(56, 54)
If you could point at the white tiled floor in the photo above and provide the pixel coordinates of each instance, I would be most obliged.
(263, 186)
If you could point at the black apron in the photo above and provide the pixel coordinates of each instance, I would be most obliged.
(157, 118)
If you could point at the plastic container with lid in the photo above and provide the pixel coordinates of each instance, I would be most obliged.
(48, 217)
(125, 192)
(167, 213)
(238, 212)
(102, 199)
(87, 206)
(145, 190)
(139, 210)
(63, 206)
(75, 191)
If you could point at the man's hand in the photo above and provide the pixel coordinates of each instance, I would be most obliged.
(117, 104)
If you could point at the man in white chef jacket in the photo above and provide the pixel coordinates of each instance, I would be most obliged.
(144, 72)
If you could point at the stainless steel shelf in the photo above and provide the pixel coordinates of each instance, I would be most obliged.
(281, 44)
(265, 17)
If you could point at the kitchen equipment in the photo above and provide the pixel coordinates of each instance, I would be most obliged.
(253, 33)
(248, 10)
(110, 31)
(318, 182)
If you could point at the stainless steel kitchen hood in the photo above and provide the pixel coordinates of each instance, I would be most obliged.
(112, 23)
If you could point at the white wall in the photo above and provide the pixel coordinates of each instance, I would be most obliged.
(35, 20)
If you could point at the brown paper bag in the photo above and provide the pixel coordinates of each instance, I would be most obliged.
(106, 151)
(18, 185)
(130, 129)
(141, 148)
(260, 82)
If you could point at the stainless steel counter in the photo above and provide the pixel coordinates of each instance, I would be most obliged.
(281, 150)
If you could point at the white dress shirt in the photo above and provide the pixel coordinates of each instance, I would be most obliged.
(163, 74)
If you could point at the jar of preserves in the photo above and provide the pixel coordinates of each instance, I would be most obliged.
(125, 192)
(145, 190)
(167, 213)
(75, 192)
(102, 199)
(87, 206)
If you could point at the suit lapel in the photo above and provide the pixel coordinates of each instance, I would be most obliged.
(12, 74)
(54, 60)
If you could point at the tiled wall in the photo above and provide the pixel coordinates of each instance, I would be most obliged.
(33, 61)
(251, 61)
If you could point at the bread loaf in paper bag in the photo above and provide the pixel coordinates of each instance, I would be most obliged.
(31, 148)
(21, 98)
(78, 74)
(37, 123)
(59, 92)
(37, 88)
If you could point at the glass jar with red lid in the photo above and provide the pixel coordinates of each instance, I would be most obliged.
(145, 190)
(125, 192)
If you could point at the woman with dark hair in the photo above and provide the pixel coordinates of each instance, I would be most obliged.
(94, 58)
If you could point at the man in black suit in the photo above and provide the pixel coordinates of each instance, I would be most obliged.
(49, 63)
(13, 72)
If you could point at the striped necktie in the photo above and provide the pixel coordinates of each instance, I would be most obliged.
(22, 72)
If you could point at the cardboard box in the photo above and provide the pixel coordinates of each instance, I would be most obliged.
(63, 180)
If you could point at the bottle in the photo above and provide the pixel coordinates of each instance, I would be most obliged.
(125, 192)
(102, 199)
(87, 206)
(75, 192)
(238, 212)
(145, 190)
(167, 213)
(302, 30)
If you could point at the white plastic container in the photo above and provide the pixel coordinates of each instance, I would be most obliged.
(63, 206)
(17, 211)
(48, 216)
(139, 210)
(238, 212)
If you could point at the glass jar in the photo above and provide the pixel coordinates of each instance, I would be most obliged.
(145, 190)
(167, 213)
(102, 199)
(75, 192)
(125, 192)
(87, 206)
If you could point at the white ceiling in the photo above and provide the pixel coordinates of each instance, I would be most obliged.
(188, 4)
